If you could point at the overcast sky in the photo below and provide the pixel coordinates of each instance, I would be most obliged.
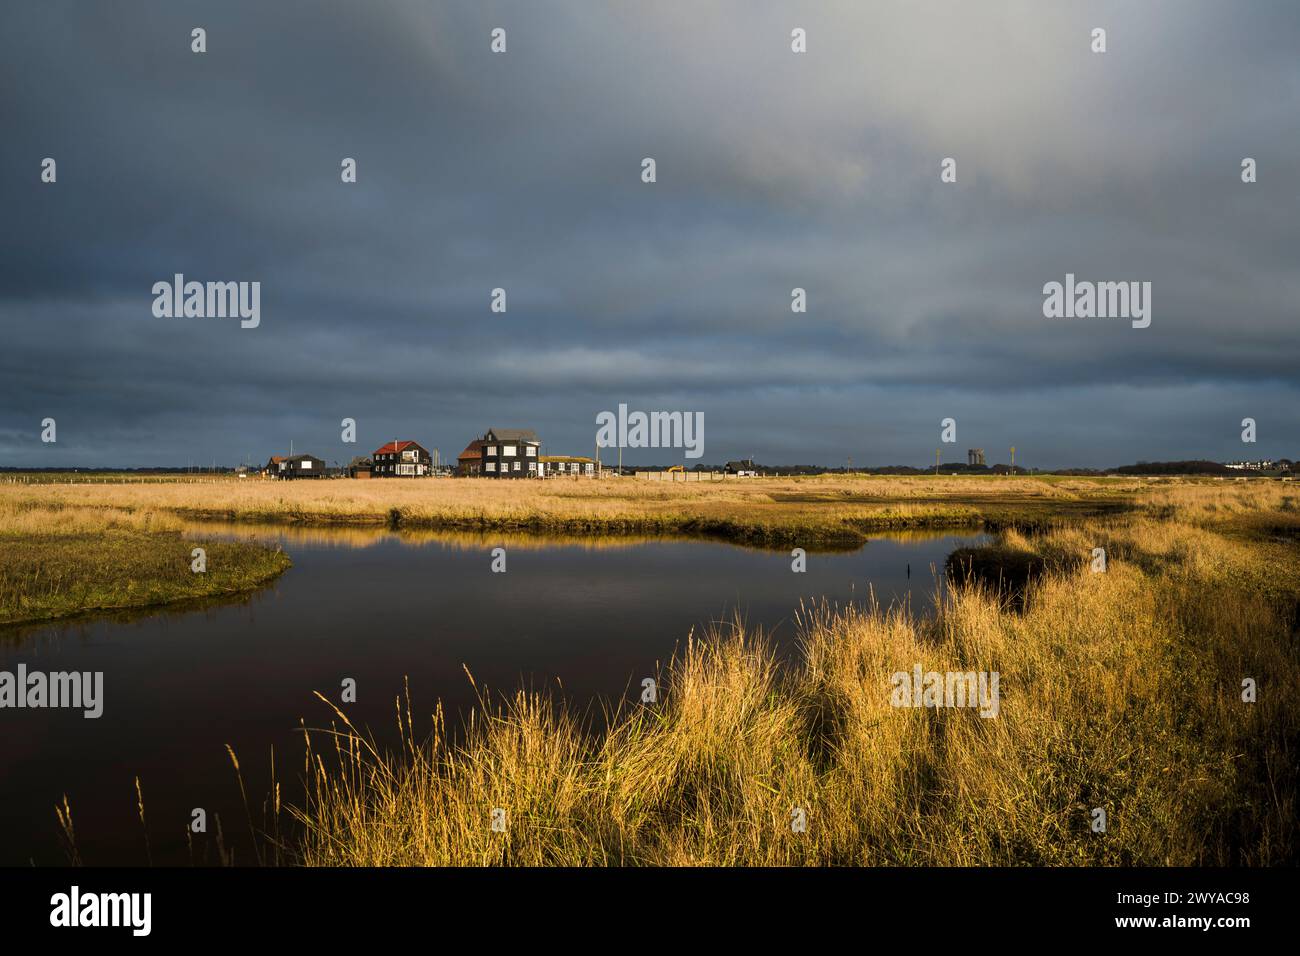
(775, 170)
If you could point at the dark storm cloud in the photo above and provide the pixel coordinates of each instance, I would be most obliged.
(775, 171)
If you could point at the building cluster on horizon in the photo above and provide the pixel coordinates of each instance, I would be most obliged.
(1263, 464)
(499, 453)
(517, 453)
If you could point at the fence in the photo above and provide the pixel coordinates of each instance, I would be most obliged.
(684, 475)
(56, 478)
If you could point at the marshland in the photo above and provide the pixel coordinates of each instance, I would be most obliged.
(1122, 690)
(809, 509)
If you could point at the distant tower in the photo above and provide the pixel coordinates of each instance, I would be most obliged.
(975, 456)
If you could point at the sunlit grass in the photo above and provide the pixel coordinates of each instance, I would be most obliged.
(776, 511)
(60, 561)
(1119, 690)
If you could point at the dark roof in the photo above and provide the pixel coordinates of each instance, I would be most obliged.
(512, 434)
(301, 458)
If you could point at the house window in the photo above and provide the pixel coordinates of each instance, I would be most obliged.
(306, 466)
(509, 451)
(532, 466)
(530, 451)
(491, 466)
(490, 451)
(516, 466)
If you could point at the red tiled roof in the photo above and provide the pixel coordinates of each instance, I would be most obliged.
(473, 450)
(393, 447)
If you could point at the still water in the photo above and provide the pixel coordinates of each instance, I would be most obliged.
(583, 617)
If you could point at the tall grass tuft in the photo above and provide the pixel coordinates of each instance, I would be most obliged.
(1120, 691)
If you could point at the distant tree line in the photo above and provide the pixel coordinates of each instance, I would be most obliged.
(1198, 467)
(157, 470)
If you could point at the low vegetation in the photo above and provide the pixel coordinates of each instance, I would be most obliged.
(62, 561)
(777, 511)
(1120, 691)
(100, 542)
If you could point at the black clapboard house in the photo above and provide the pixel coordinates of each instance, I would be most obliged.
(510, 453)
(401, 459)
(296, 466)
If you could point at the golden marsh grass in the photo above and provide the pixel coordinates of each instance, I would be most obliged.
(774, 510)
(1120, 691)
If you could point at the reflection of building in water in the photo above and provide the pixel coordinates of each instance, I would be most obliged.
(975, 456)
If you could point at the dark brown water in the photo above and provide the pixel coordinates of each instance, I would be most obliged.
(595, 615)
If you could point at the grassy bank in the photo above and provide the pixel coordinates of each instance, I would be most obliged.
(65, 561)
(1120, 691)
(806, 511)
(102, 544)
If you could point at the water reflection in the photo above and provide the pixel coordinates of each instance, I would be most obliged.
(584, 616)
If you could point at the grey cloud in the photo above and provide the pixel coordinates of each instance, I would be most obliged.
(819, 171)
